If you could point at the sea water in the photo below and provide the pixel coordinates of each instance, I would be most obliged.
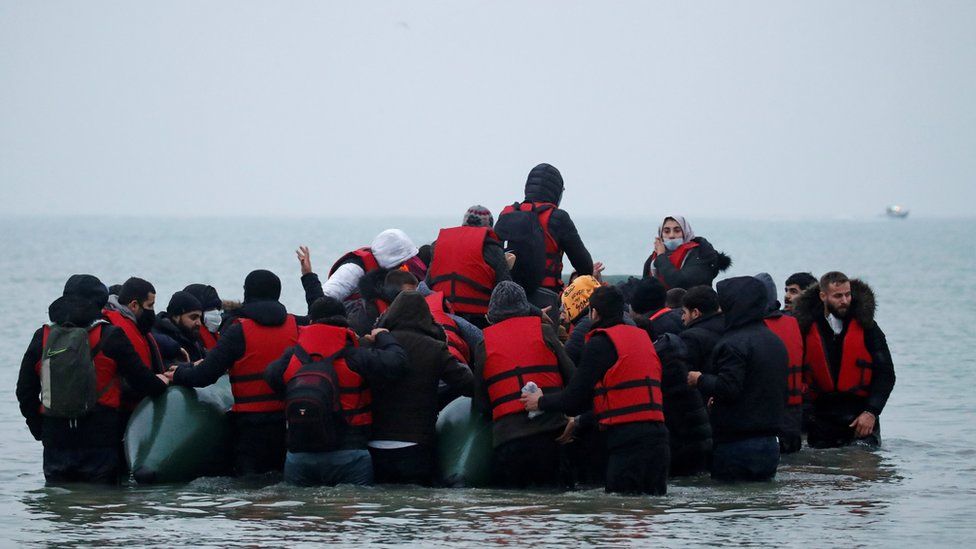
(918, 489)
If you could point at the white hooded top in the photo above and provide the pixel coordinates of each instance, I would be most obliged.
(390, 248)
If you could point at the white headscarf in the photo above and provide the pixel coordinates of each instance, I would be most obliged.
(685, 228)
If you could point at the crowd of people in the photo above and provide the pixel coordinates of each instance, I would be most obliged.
(625, 384)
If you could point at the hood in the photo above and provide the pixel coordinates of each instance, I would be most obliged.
(114, 305)
(742, 299)
(670, 347)
(686, 230)
(808, 307)
(207, 295)
(772, 296)
(544, 184)
(73, 310)
(392, 247)
(265, 313)
(410, 312)
(88, 287)
(717, 260)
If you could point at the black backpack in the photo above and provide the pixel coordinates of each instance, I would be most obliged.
(523, 235)
(313, 413)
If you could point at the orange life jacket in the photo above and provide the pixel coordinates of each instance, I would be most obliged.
(262, 345)
(855, 364)
(322, 340)
(455, 343)
(630, 391)
(459, 269)
(107, 384)
(553, 278)
(144, 344)
(788, 330)
(515, 354)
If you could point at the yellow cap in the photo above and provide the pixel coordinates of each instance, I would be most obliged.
(576, 296)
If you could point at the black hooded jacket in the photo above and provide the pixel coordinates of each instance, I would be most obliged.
(809, 309)
(751, 365)
(684, 409)
(171, 339)
(230, 347)
(405, 409)
(701, 266)
(700, 338)
(545, 184)
(101, 428)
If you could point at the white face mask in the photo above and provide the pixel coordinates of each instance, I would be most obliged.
(672, 244)
(211, 319)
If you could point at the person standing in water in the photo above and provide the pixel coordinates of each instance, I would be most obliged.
(681, 259)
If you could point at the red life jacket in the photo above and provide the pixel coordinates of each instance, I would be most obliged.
(660, 313)
(553, 278)
(677, 258)
(455, 343)
(365, 256)
(324, 340)
(515, 354)
(459, 269)
(788, 330)
(107, 384)
(855, 363)
(262, 345)
(208, 338)
(144, 344)
(630, 391)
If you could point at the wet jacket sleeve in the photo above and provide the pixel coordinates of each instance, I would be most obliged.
(883, 374)
(495, 258)
(137, 375)
(29, 386)
(696, 270)
(274, 374)
(313, 288)
(577, 340)
(384, 360)
(598, 356)
(729, 377)
(570, 242)
(457, 376)
(480, 403)
(470, 333)
(566, 365)
(229, 349)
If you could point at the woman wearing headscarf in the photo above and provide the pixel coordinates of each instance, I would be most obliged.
(681, 259)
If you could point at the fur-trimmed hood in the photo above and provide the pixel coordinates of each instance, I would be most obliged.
(808, 307)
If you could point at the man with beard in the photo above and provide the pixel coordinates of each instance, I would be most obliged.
(177, 330)
(849, 369)
(795, 284)
(132, 310)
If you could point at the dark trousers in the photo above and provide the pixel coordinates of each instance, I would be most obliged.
(94, 465)
(259, 443)
(835, 432)
(329, 468)
(689, 459)
(415, 464)
(639, 467)
(751, 459)
(535, 460)
(790, 434)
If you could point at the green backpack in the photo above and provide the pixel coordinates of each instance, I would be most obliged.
(68, 379)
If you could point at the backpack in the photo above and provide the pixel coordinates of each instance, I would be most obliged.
(313, 413)
(523, 235)
(68, 379)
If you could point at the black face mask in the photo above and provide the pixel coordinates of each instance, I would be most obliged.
(146, 320)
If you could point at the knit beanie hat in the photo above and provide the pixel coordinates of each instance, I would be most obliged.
(262, 285)
(576, 296)
(649, 295)
(507, 300)
(478, 216)
(181, 303)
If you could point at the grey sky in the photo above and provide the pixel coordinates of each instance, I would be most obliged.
(315, 108)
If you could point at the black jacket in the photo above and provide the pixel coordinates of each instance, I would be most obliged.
(700, 338)
(546, 185)
(230, 347)
(101, 428)
(171, 339)
(384, 360)
(668, 323)
(751, 365)
(406, 409)
(684, 409)
(809, 309)
(516, 426)
(701, 266)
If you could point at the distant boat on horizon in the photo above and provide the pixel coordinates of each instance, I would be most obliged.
(896, 211)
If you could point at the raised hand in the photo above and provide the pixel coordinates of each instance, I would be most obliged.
(304, 259)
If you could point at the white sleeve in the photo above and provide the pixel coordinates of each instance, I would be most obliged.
(344, 282)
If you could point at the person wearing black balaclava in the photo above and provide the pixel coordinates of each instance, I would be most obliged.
(177, 329)
(133, 310)
(258, 336)
(84, 449)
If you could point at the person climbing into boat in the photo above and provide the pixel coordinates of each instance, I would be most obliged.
(257, 336)
(682, 260)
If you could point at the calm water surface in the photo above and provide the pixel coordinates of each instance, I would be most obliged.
(918, 489)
